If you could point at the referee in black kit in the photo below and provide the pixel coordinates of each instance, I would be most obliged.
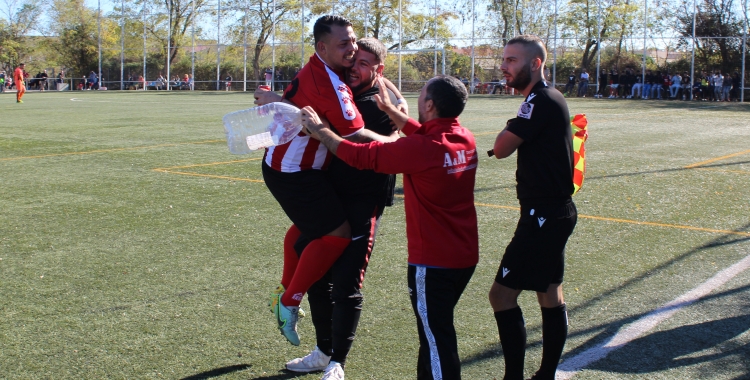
(534, 259)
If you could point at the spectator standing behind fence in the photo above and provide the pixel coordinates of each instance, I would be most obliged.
(656, 83)
(676, 85)
(726, 88)
(2, 81)
(269, 77)
(686, 86)
(583, 84)
(571, 83)
(718, 84)
(43, 81)
(614, 83)
(228, 82)
(602, 82)
(92, 81)
(736, 84)
(636, 92)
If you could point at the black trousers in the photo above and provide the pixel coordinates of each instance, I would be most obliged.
(336, 299)
(434, 293)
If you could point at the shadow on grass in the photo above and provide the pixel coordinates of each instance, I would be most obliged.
(217, 372)
(590, 178)
(282, 375)
(680, 347)
(607, 331)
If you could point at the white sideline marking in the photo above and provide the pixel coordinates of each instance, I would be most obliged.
(572, 366)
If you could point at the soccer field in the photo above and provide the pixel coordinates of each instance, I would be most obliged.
(133, 245)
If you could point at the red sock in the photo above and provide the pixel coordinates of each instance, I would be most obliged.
(290, 255)
(314, 262)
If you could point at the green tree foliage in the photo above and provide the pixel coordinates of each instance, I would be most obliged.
(17, 22)
(717, 19)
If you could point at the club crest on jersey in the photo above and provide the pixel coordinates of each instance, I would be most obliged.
(459, 159)
(526, 110)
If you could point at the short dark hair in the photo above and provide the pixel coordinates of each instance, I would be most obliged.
(374, 47)
(533, 44)
(323, 25)
(448, 95)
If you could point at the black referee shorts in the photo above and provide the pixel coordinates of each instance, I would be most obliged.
(308, 199)
(535, 257)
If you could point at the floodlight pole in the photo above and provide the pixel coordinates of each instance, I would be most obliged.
(473, 17)
(643, 68)
(434, 70)
(400, 38)
(169, 44)
(144, 46)
(122, 45)
(218, 46)
(744, 53)
(244, 50)
(302, 36)
(367, 14)
(692, 61)
(192, 53)
(598, 46)
(99, 32)
(554, 52)
(273, 47)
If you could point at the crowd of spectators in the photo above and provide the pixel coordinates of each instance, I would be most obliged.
(630, 84)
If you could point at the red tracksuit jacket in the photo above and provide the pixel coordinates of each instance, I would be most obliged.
(439, 163)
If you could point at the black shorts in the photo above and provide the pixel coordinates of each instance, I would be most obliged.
(535, 257)
(307, 198)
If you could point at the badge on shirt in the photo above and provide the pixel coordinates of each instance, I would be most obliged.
(525, 110)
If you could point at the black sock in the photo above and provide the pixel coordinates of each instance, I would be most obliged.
(512, 330)
(554, 333)
(346, 313)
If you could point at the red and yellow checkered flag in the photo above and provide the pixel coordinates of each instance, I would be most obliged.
(578, 124)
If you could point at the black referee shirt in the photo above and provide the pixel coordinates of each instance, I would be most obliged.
(349, 181)
(545, 158)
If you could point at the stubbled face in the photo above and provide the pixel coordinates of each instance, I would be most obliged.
(339, 47)
(516, 66)
(362, 75)
(422, 103)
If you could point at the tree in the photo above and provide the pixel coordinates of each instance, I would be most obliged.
(18, 20)
(380, 19)
(75, 26)
(716, 21)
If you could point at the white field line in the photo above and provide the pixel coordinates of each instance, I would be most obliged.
(627, 334)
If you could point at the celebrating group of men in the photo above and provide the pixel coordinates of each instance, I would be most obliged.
(334, 179)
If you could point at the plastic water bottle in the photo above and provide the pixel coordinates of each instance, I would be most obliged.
(261, 127)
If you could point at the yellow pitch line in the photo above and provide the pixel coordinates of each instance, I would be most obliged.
(716, 159)
(208, 164)
(628, 221)
(209, 176)
(105, 150)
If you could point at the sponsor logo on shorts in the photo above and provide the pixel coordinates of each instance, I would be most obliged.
(541, 221)
(505, 271)
(297, 296)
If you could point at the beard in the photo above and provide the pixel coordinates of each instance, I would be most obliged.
(522, 79)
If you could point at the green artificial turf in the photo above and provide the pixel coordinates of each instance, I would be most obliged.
(134, 245)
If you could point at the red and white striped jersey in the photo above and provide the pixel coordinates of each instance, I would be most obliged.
(323, 89)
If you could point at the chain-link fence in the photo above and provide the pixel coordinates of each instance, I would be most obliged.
(230, 46)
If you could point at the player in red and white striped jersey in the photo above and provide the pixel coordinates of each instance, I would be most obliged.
(293, 174)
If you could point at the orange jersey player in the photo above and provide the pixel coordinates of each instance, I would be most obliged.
(20, 84)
